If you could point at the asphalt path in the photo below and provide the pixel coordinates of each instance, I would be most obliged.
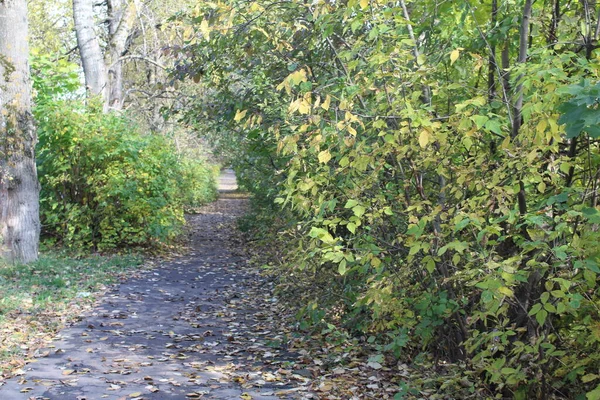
(197, 326)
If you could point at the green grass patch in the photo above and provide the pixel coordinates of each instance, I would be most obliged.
(37, 300)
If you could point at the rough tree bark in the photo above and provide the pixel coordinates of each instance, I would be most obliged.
(19, 187)
(94, 69)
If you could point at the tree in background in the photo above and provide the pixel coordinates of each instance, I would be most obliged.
(103, 71)
(19, 188)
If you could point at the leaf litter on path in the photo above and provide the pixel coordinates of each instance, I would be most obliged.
(204, 325)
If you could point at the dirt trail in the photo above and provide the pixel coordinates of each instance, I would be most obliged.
(200, 326)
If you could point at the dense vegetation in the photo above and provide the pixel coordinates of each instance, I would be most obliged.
(433, 171)
(105, 184)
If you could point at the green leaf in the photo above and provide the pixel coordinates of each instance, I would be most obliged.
(506, 291)
(592, 214)
(351, 227)
(535, 309)
(463, 223)
(350, 203)
(342, 267)
(594, 394)
(494, 125)
(358, 210)
(541, 316)
(322, 234)
(479, 120)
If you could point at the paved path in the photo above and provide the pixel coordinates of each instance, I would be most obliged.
(195, 327)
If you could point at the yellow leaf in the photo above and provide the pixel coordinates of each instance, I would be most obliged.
(240, 115)
(188, 32)
(351, 130)
(304, 107)
(541, 126)
(245, 396)
(454, 56)
(325, 105)
(532, 155)
(506, 291)
(205, 29)
(324, 156)
(296, 77)
(254, 7)
(505, 143)
(285, 84)
(318, 101)
(424, 138)
(364, 4)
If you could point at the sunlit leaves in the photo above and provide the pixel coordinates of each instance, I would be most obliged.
(324, 156)
(424, 137)
(205, 29)
(239, 115)
(454, 56)
(397, 147)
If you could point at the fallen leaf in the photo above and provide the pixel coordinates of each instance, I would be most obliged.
(374, 365)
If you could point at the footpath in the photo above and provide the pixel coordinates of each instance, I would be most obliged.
(198, 326)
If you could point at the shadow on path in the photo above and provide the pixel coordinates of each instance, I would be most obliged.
(199, 326)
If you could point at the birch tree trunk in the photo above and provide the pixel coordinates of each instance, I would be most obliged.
(19, 187)
(94, 69)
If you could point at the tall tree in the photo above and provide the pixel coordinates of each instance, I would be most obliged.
(103, 69)
(121, 18)
(94, 69)
(19, 187)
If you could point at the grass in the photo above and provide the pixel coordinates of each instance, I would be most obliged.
(37, 300)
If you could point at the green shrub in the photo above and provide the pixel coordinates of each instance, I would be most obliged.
(105, 185)
(198, 183)
(425, 212)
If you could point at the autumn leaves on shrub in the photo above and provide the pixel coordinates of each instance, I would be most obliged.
(104, 183)
(440, 185)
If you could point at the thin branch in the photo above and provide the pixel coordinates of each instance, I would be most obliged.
(139, 57)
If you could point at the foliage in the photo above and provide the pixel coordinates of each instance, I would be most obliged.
(435, 194)
(197, 182)
(104, 184)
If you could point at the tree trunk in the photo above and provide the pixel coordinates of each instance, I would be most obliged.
(94, 69)
(121, 18)
(523, 46)
(19, 187)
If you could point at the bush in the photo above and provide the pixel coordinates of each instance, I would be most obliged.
(105, 185)
(198, 183)
(424, 212)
